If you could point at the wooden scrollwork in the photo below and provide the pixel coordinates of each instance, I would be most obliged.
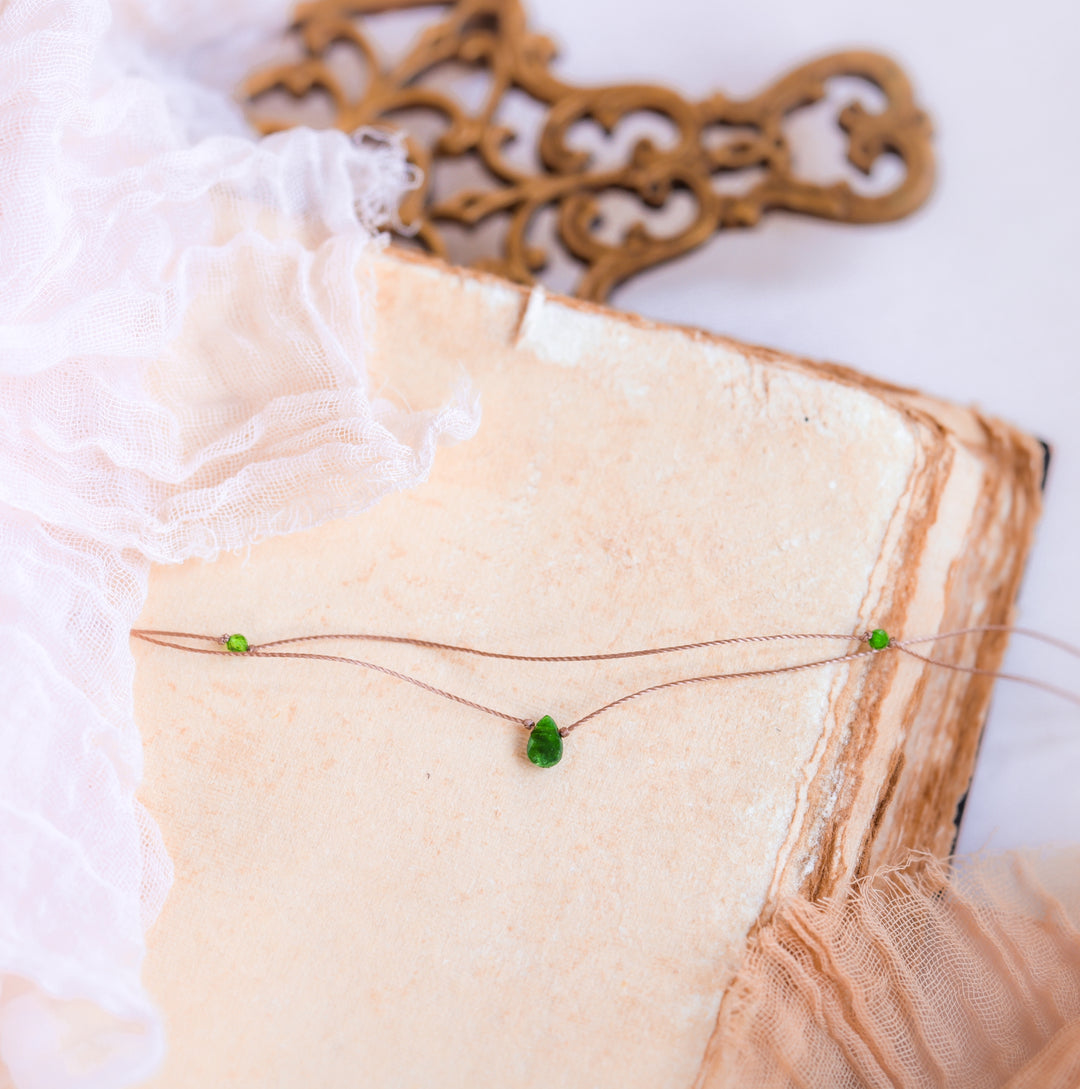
(716, 137)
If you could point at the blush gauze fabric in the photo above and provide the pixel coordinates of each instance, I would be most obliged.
(961, 978)
(182, 332)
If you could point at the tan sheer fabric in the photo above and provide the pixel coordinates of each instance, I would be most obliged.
(920, 977)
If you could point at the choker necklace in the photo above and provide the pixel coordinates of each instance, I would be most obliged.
(545, 743)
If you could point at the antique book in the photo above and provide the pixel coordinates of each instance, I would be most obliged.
(373, 884)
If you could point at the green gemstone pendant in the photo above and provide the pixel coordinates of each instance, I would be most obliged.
(545, 744)
(879, 639)
(237, 644)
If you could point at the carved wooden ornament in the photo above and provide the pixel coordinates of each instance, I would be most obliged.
(715, 138)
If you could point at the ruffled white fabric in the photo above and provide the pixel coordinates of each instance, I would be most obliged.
(181, 371)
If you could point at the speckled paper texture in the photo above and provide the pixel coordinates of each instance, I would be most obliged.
(374, 887)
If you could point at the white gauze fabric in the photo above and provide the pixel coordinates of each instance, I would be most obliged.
(181, 371)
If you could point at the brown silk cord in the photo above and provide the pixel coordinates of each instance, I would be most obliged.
(714, 677)
(1030, 681)
(1050, 640)
(562, 657)
(258, 652)
(262, 650)
(149, 637)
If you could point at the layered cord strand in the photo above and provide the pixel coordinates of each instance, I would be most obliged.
(267, 650)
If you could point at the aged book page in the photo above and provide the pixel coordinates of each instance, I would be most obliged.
(374, 887)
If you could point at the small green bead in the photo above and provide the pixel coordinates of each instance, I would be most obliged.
(879, 639)
(237, 644)
(545, 744)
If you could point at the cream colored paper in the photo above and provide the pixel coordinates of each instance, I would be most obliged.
(374, 887)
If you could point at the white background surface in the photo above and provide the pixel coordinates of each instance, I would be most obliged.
(972, 299)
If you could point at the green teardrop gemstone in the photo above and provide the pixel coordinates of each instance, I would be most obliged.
(545, 744)
(237, 644)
